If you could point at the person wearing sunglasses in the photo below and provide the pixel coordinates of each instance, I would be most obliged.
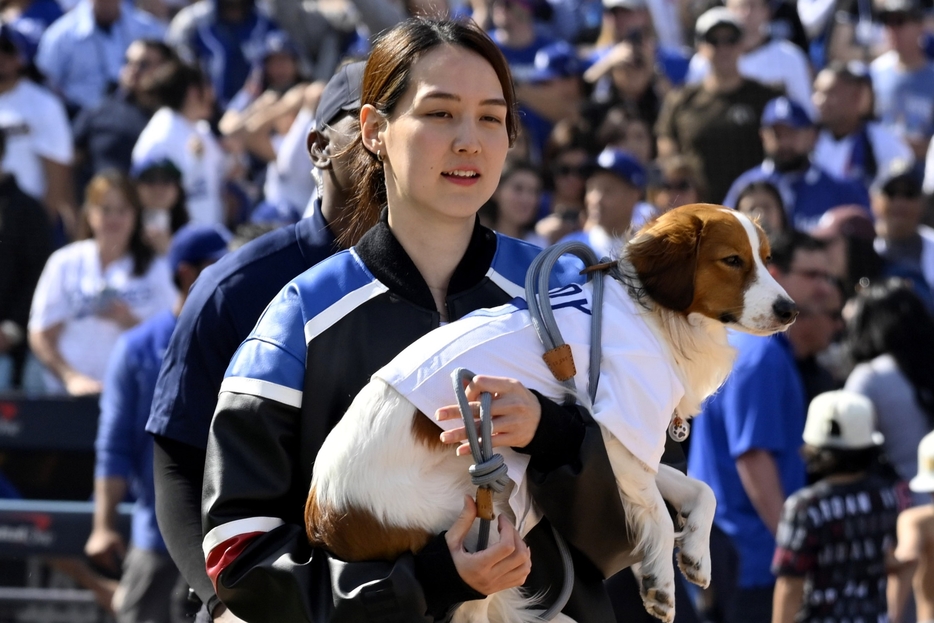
(716, 121)
(677, 184)
(902, 239)
(768, 59)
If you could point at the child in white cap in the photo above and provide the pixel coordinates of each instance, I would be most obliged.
(835, 537)
(916, 544)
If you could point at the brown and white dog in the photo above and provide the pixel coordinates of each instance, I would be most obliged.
(383, 484)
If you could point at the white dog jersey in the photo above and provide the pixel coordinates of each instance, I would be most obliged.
(638, 388)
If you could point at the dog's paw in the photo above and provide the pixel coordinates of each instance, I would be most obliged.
(695, 569)
(693, 554)
(658, 598)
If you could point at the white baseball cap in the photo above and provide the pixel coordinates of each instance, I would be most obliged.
(843, 420)
(924, 481)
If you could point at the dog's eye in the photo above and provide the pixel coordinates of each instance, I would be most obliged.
(733, 261)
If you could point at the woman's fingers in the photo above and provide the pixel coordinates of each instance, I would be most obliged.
(503, 565)
(515, 410)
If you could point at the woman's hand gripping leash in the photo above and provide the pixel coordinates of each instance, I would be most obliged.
(507, 563)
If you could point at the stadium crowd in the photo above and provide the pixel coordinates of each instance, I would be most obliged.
(141, 142)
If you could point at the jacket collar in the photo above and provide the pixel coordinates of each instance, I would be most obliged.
(387, 260)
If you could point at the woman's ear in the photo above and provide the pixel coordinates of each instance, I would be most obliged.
(372, 124)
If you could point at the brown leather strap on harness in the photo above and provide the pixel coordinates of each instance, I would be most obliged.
(599, 267)
(560, 360)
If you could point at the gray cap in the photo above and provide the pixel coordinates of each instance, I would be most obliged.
(340, 94)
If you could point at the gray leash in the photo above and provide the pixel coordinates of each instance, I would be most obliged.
(489, 472)
(543, 317)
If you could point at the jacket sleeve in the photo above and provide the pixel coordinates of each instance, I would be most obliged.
(255, 542)
(578, 493)
(178, 469)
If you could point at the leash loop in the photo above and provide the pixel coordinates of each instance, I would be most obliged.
(489, 472)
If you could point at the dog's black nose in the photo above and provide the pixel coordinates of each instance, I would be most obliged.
(785, 310)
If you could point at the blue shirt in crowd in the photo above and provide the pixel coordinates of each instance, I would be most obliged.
(123, 447)
(81, 60)
(904, 99)
(806, 195)
(761, 406)
(221, 310)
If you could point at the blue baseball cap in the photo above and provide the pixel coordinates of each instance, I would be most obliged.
(277, 42)
(557, 60)
(197, 244)
(784, 111)
(622, 164)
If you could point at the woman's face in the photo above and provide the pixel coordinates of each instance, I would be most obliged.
(638, 140)
(675, 191)
(762, 204)
(517, 198)
(281, 70)
(570, 170)
(112, 221)
(610, 202)
(444, 146)
(158, 194)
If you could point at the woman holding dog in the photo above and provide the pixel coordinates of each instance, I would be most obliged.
(437, 118)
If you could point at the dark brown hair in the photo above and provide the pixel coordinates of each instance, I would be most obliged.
(108, 179)
(385, 81)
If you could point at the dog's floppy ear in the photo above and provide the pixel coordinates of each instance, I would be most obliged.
(665, 258)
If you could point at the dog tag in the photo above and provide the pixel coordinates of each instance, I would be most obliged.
(485, 503)
(679, 428)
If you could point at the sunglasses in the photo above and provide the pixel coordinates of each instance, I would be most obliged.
(567, 169)
(723, 40)
(897, 20)
(676, 185)
(903, 192)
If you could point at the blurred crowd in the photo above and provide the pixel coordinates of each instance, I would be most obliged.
(123, 124)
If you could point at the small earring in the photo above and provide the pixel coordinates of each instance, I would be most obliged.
(379, 155)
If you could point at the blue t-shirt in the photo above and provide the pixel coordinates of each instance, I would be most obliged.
(905, 99)
(221, 310)
(123, 449)
(806, 195)
(761, 406)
